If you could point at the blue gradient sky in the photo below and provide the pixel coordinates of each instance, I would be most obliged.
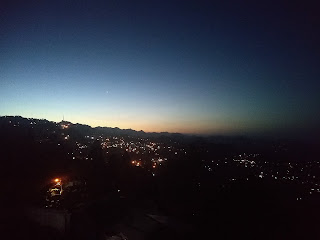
(162, 66)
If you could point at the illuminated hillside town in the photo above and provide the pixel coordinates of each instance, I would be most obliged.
(154, 153)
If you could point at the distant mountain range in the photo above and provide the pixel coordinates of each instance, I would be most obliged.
(109, 131)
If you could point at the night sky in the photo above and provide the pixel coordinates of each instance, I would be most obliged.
(189, 67)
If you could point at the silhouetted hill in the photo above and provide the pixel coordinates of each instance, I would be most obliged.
(86, 130)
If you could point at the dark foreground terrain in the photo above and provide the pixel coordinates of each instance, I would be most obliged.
(122, 184)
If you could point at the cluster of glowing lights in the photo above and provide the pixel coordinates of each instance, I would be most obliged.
(64, 126)
(136, 163)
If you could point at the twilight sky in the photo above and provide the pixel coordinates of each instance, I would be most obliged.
(190, 67)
